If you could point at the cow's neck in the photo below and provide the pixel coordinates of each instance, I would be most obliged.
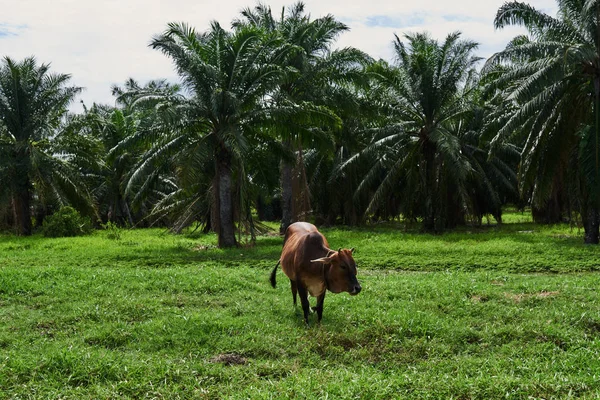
(326, 269)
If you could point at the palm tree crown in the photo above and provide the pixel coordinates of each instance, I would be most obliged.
(318, 77)
(33, 103)
(228, 76)
(551, 79)
(416, 152)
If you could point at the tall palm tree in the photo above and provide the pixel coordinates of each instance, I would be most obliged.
(33, 103)
(122, 131)
(552, 79)
(228, 76)
(331, 187)
(111, 126)
(415, 153)
(317, 73)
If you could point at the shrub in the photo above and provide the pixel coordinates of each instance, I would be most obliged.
(66, 222)
(113, 231)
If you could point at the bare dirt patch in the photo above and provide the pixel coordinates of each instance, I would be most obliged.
(229, 359)
(519, 297)
(202, 247)
(547, 294)
(479, 298)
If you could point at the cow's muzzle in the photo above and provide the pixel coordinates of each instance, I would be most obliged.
(355, 290)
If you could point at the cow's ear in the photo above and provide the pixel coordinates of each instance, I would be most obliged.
(352, 250)
(324, 260)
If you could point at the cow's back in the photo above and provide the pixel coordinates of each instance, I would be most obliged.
(303, 242)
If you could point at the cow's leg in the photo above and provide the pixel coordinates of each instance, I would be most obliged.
(294, 290)
(303, 300)
(319, 307)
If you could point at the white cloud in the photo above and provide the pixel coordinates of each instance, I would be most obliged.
(105, 42)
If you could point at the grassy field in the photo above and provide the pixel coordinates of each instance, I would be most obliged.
(510, 312)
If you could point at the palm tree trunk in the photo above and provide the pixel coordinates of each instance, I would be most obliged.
(22, 207)
(592, 220)
(300, 190)
(127, 211)
(591, 225)
(429, 219)
(21, 193)
(286, 193)
(226, 230)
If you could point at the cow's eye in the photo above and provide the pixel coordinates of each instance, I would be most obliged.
(343, 266)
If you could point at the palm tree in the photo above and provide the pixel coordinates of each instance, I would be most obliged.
(415, 155)
(228, 76)
(332, 187)
(318, 73)
(110, 126)
(552, 79)
(33, 103)
(116, 137)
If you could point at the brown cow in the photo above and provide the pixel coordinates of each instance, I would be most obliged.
(313, 268)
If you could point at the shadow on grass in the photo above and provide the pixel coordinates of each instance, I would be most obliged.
(263, 255)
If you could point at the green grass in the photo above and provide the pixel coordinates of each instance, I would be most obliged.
(491, 312)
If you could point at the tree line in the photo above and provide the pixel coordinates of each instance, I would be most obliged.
(271, 122)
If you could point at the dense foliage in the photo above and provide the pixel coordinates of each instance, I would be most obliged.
(66, 222)
(32, 104)
(270, 120)
(551, 79)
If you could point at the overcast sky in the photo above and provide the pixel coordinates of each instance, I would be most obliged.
(101, 43)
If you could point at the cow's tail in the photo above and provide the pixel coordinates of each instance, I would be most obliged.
(273, 282)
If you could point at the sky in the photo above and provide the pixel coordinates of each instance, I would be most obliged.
(105, 42)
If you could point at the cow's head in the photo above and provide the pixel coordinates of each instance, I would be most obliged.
(340, 272)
